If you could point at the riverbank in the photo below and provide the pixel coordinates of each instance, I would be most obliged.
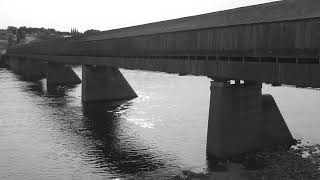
(301, 161)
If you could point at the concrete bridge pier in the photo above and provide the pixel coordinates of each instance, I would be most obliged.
(2, 60)
(61, 74)
(241, 119)
(29, 69)
(5, 61)
(15, 64)
(103, 83)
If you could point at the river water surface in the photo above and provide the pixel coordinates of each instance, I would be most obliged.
(50, 134)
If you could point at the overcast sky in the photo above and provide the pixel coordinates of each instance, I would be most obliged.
(105, 14)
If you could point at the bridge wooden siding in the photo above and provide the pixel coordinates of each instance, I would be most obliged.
(291, 39)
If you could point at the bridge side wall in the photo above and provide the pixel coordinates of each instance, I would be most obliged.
(299, 38)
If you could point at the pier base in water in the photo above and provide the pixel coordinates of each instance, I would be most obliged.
(60, 74)
(102, 83)
(29, 69)
(241, 119)
(2, 60)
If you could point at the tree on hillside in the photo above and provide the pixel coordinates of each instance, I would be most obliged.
(51, 31)
(12, 29)
(74, 31)
(91, 31)
(21, 33)
(11, 40)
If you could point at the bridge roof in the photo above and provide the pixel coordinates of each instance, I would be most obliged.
(275, 11)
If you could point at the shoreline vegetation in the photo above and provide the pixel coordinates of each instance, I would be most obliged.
(23, 35)
(13, 36)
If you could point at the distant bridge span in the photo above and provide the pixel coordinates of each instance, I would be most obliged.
(276, 43)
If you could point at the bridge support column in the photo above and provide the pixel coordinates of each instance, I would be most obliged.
(61, 74)
(2, 60)
(241, 119)
(27, 68)
(5, 61)
(103, 83)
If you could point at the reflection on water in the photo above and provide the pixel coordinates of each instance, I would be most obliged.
(94, 136)
(125, 152)
(47, 133)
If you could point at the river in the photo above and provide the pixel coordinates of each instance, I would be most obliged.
(50, 134)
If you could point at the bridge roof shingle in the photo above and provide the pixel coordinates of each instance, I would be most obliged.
(275, 11)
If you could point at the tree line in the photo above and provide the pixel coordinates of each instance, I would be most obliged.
(42, 33)
(17, 34)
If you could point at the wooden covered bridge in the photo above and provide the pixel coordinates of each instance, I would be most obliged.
(276, 43)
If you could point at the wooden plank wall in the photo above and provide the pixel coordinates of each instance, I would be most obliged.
(293, 39)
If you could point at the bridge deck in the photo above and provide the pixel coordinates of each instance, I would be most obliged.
(300, 75)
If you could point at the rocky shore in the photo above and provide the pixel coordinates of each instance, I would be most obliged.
(301, 161)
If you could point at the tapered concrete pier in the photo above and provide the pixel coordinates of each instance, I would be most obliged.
(241, 119)
(61, 74)
(103, 83)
